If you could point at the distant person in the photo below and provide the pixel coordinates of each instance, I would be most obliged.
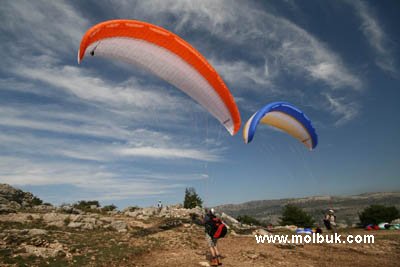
(330, 220)
(159, 205)
(209, 224)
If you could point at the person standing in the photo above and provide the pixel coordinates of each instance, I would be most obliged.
(209, 223)
(159, 206)
(330, 221)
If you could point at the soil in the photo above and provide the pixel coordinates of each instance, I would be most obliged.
(244, 251)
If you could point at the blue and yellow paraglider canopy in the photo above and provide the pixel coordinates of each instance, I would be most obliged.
(285, 117)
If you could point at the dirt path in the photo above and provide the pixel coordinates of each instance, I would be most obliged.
(183, 249)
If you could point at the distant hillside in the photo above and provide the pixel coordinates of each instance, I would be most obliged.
(346, 207)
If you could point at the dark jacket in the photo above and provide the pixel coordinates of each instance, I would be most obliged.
(209, 223)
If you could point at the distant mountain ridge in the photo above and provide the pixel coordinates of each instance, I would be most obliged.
(347, 208)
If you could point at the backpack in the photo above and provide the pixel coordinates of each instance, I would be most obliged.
(216, 228)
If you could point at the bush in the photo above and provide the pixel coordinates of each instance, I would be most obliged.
(245, 219)
(86, 205)
(36, 201)
(376, 214)
(191, 199)
(293, 215)
(109, 207)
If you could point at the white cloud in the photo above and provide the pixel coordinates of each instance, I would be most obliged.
(376, 37)
(60, 122)
(138, 143)
(167, 153)
(341, 107)
(44, 26)
(89, 181)
(281, 44)
(93, 88)
(243, 74)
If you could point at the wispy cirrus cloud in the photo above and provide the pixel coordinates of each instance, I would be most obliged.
(376, 37)
(275, 40)
(90, 87)
(168, 153)
(345, 109)
(90, 181)
(108, 141)
(48, 27)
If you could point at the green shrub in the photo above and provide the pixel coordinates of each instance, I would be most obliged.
(86, 205)
(376, 214)
(109, 207)
(293, 215)
(36, 201)
(245, 219)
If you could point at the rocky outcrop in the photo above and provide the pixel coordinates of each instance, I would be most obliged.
(69, 209)
(175, 211)
(119, 226)
(12, 200)
(232, 222)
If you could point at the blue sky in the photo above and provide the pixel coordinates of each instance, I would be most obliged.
(108, 131)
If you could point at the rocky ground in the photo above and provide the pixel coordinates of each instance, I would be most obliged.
(56, 239)
(33, 234)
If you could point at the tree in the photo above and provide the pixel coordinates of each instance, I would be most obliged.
(191, 199)
(376, 214)
(293, 215)
(245, 219)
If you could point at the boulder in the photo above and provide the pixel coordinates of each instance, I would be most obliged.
(261, 232)
(56, 250)
(150, 211)
(69, 209)
(3, 200)
(91, 220)
(142, 217)
(44, 208)
(34, 232)
(5, 209)
(88, 226)
(119, 226)
(54, 218)
(75, 224)
(75, 218)
(229, 220)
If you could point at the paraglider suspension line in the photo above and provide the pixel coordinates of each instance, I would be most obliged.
(92, 52)
(226, 121)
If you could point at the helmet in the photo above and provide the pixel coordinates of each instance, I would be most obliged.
(331, 211)
(212, 211)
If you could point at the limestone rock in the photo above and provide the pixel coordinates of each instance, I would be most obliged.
(34, 232)
(120, 226)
